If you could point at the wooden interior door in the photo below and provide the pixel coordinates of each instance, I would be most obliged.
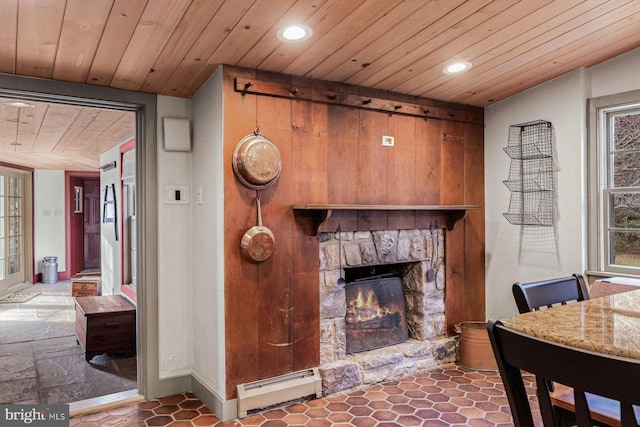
(91, 223)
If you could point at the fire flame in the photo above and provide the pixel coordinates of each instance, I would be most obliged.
(365, 307)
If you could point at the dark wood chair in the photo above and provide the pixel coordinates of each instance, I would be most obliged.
(547, 293)
(586, 372)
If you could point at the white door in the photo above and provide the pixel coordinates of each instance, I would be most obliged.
(12, 226)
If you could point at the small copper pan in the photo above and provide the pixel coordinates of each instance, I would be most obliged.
(258, 242)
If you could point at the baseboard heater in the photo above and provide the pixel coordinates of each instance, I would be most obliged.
(280, 389)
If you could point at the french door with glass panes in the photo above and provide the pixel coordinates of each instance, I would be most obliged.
(12, 238)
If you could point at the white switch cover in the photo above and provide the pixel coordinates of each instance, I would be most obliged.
(177, 195)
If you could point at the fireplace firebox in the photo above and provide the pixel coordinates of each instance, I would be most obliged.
(375, 315)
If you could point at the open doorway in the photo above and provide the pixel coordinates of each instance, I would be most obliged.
(79, 192)
(61, 195)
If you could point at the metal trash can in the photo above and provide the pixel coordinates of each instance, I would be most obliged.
(50, 269)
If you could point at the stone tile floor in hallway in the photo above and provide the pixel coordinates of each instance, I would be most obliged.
(445, 396)
(41, 360)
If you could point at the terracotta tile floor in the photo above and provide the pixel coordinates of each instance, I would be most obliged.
(445, 396)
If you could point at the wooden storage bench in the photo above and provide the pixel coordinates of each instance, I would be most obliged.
(105, 324)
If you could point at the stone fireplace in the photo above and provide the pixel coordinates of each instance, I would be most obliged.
(417, 256)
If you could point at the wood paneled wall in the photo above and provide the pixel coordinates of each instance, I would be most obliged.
(333, 154)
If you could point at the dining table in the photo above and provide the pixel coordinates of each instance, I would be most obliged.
(608, 324)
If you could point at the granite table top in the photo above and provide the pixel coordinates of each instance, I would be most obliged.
(609, 324)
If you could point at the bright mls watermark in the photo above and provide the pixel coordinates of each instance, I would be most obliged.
(34, 415)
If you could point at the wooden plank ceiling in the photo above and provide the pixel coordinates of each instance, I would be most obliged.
(57, 136)
(171, 47)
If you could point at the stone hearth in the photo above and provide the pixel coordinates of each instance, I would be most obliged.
(424, 294)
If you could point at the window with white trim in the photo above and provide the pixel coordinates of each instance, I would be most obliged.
(614, 209)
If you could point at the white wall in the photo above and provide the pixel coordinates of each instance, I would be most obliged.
(190, 246)
(191, 261)
(208, 249)
(48, 216)
(563, 102)
(615, 76)
(175, 253)
(109, 246)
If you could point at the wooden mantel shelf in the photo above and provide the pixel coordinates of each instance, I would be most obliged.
(321, 213)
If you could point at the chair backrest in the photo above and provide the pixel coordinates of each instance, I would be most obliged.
(531, 296)
(585, 371)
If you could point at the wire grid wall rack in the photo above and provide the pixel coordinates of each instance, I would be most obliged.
(530, 147)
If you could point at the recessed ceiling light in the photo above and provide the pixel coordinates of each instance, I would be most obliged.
(18, 104)
(457, 67)
(294, 33)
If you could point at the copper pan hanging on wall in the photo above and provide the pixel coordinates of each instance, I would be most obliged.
(258, 242)
(256, 161)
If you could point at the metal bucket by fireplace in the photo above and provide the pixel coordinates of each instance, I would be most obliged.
(474, 347)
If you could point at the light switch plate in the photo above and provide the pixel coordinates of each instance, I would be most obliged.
(199, 195)
(177, 195)
(388, 141)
